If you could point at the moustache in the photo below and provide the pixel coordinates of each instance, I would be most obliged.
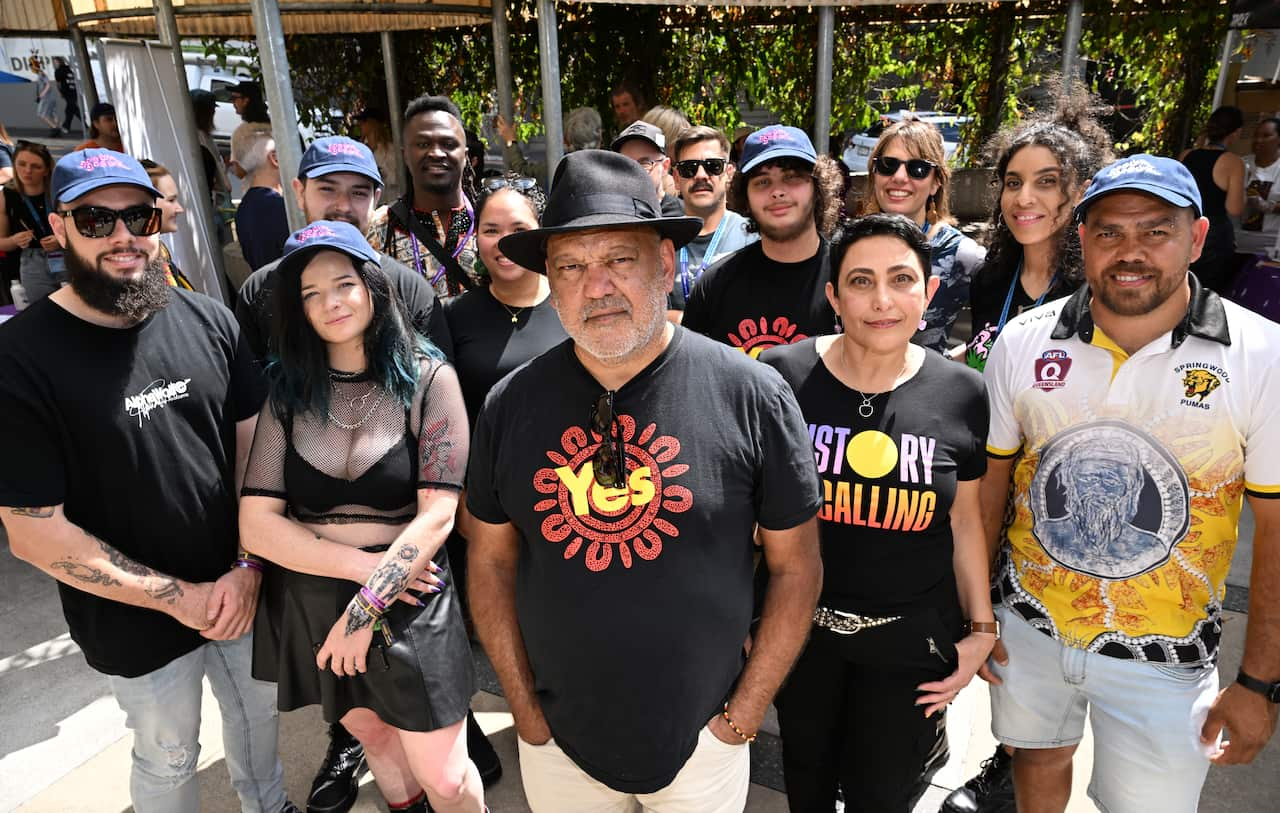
(1130, 268)
(702, 187)
(607, 303)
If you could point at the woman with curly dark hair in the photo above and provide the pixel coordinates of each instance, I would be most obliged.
(772, 292)
(1042, 168)
(907, 174)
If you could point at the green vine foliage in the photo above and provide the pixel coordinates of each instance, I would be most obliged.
(977, 59)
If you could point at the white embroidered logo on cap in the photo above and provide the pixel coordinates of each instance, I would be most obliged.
(1137, 166)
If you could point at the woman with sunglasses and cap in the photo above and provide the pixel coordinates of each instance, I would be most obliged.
(908, 175)
(904, 619)
(499, 326)
(351, 488)
(24, 222)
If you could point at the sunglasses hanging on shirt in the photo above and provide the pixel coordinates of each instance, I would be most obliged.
(609, 461)
(917, 168)
(689, 168)
(97, 222)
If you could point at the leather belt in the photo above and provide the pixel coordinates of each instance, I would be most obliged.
(843, 623)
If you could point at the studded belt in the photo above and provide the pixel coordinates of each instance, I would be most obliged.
(843, 623)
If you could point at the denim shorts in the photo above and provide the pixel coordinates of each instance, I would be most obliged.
(1145, 717)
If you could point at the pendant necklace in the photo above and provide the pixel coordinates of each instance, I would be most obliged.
(866, 409)
(515, 314)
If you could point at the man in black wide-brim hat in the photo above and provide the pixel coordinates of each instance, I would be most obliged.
(614, 487)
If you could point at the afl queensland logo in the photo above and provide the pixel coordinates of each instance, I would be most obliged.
(1051, 370)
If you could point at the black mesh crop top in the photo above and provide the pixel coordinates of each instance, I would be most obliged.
(364, 460)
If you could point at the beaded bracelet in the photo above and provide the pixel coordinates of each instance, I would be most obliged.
(246, 562)
(734, 726)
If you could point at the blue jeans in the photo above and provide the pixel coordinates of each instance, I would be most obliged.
(163, 711)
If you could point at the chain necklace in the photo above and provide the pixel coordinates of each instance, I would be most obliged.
(515, 314)
(357, 404)
(866, 409)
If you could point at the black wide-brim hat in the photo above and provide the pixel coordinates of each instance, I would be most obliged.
(596, 189)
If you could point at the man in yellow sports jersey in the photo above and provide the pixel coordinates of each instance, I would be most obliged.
(1132, 418)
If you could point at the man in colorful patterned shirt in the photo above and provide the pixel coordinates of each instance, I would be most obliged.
(1132, 417)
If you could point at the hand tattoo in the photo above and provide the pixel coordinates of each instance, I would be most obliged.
(357, 619)
(84, 573)
(408, 553)
(37, 512)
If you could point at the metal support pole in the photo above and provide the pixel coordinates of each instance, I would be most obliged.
(1071, 43)
(203, 214)
(502, 60)
(822, 94)
(395, 111)
(549, 59)
(284, 113)
(1224, 68)
(82, 66)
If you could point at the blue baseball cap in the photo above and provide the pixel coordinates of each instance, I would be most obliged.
(1164, 178)
(79, 173)
(338, 154)
(776, 142)
(334, 235)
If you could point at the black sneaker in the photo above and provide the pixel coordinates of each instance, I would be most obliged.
(336, 784)
(991, 791)
(481, 752)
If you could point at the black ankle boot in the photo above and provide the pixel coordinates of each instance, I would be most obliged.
(990, 791)
(336, 784)
(482, 753)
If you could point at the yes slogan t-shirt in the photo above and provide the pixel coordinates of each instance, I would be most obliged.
(752, 303)
(634, 602)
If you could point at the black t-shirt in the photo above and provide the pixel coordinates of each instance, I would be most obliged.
(986, 302)
(261, 226)
(751, 302)
(889, 480)
(133, 432)
(20, 214)
(634, 604)
(253, 305)
(66, 80)
(487, 344)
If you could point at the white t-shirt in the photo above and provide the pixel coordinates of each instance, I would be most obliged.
(1260, 241)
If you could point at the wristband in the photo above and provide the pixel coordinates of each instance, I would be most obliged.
(984, 627)
(368, 609)
(373, 599)
(734, 726)
(249, 563)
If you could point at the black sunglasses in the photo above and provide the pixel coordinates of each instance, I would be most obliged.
(917, 168)
(609, 461)
(689, 168)
(518, 184)
(96, 222)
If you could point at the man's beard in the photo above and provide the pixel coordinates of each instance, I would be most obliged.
(1101, 522)
(696, 210)
(1128, 303)
(788, 233)
(133, 300)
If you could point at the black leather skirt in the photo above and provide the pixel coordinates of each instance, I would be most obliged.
(421, 681)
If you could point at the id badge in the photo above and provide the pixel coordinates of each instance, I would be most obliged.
(57, 264)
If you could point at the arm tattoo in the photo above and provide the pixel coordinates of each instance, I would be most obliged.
(121, 561)
(357, 619)
(389, 580)
(408, 553)
(166, 589)
(38, 512)
(437, 452)
(84, 573)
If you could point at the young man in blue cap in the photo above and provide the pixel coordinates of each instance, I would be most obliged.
(773, 292)
(125, 433)
(1137, 413)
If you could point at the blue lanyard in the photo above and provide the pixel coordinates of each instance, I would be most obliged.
(707, 257)
(1008, 300)
(40, 226)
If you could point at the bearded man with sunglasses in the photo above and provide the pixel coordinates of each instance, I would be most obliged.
(611, 527)
(702, 174)
(129, 410)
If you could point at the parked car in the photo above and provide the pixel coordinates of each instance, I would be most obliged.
(859, 145)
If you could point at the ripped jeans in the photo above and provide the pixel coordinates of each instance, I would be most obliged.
(163, 711)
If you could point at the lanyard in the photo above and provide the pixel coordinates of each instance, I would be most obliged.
(687, 278)
(35, 217)
(1008, 300)
(444, 233)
